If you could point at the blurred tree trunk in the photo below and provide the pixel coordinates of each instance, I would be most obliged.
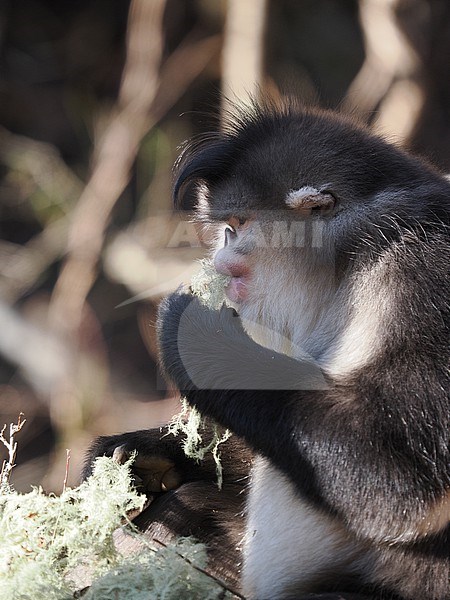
(403, 87)
(243, 51)
(427, 25)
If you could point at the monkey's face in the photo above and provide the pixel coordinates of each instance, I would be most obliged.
(278, 272)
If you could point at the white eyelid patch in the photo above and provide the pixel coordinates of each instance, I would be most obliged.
(306, 197)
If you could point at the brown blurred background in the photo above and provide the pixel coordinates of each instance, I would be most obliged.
(95, 98)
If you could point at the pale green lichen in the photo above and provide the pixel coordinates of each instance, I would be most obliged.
(169, 573)
(209, 286)
(190, 423)
(52, 546)
(44, 537)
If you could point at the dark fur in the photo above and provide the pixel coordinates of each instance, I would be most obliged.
(372, 449)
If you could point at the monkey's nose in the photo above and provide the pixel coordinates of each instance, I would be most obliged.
(229, 235)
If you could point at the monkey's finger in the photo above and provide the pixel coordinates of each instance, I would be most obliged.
(120, 454)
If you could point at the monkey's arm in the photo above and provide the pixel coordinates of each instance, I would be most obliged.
(348, 447)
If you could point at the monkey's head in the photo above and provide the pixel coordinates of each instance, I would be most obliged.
(297, 196)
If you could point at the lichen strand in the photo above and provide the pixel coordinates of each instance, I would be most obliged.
(190, 423)
(209, 286)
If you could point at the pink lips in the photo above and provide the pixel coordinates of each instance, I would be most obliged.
(236, 290)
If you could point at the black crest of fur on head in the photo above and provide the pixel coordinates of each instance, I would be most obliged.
(270, 151)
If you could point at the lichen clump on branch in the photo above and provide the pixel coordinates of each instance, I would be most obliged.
(53, 546)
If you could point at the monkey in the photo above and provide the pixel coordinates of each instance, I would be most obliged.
(329, 361)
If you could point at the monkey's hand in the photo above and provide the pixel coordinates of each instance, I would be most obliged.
(155, 466)
(160, 464)
(198, 345)
(205, 349)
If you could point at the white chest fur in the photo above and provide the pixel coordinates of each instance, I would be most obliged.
(289, 545)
